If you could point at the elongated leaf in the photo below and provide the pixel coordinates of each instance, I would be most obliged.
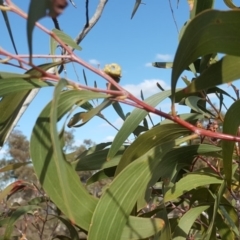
(66, 39)
(102, 174)
(200, 38)
(224, 230)
(13, 105)
(141, 228)
(15, 85)
(201, 5)
(134, 120)
(86, 116)
(230, 4)
(189, 117)
(148, 140)
(97, 160)
(189, 182)
(117, 202)
(13, 166)
(224, 71)
(162, 64)
(79, 205)
(230, 126)
(186, 222)
(231, 217)
(15, 216)
(10, 106)
(37, 10)
(137, 4)
(5, 16)
(192, 102)
(117, 107)
(181, 157)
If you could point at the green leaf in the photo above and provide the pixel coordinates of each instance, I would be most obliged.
(189, 117)
(186, 222)
(189, 182)
(149, 139)
(141, 228)
(192, 102)
(109, 218)
(86, 116)
(10, 106)
(97, 160)
(37, 10)
(34, 72)
(137, 4)
(162, 64)
(183, 156)
(230, 4)
(231, 217)
(117, 107)
(66, 39)
(224, 229)
(18, 85)
(201, 5)
(15, 216)
(134, 120)
(200, 39)
(224, 71)
(102, 174)
(215, 209)
(13, 166)
(5, 16)
(230, 126)
(56, 175)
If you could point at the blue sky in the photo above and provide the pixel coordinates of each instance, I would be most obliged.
(150, 36)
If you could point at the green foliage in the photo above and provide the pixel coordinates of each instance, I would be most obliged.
(153, 187)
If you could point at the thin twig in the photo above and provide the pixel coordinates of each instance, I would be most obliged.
(175, 22)
(92, 21)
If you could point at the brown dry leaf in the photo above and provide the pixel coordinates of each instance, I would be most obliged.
(57, 7)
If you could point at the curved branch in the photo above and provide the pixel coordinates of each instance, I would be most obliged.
(92, 21)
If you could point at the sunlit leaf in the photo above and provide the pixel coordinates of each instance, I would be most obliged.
(186, 221)
(230, 126)
(191, 181)
(66, 39)
(200, 38)
(148, 140)
(56, 175)
(134, 120)
(124, 191)
(201, 5)
(224, 71)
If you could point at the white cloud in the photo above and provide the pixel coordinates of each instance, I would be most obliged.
(164, 57)
(94, 62)
(148, 87)
(149, 64)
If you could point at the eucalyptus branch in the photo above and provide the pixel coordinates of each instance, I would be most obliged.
(122, 92)
(92, 21)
